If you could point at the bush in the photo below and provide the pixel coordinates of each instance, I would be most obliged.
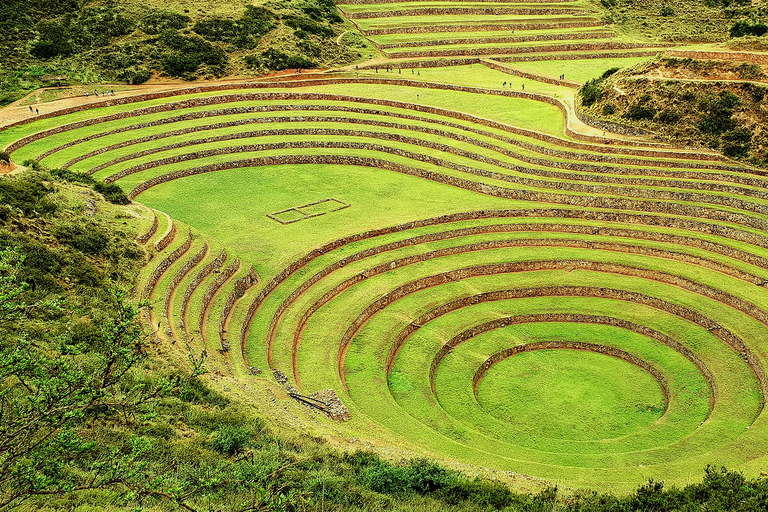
(243, 33)
(5, 156)
(88, 239)
(717, 111)
(668, 117)
(28, 194)
(743, 28)
(277, 60)
(184, 55)
(112, 193)
(229, 439)
(638, 112)
(591, 92)
(735, 143)
(609, 109)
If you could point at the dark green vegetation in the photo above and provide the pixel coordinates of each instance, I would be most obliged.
(720, 114)
(686, 20)
(129, 41)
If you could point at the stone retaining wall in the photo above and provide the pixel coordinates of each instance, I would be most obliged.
(582, 56)
(549, 291)
(709, 185)
(214, 288)
(599, 157)
(502, 39)
(751, 57)
(144, 238)
(288, 96)
(465, 11)
(572, 345)
(512, 50)
(164, 265)
(180, 275)
(510, 243)
(501, 244)
(526, 74)
(586, 201)
(608, 217)
(532, 266)
(213, 266)
(241, 286)
(434, 29)
(169, 237)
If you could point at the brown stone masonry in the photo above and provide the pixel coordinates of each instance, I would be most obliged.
(586, 201)
(144, 238)
(504, 39)
(572, 345)
(464, 11)
(214, 288)
(712, 183)
(639, 219)
(180, 275)
(241, 286)
(164, 265)
(532, 25)
(501, 228)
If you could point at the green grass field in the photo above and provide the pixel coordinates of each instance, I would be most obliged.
(475, 233)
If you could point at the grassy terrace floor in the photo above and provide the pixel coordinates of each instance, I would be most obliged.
(490, 279)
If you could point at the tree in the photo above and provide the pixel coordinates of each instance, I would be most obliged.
(47, 390)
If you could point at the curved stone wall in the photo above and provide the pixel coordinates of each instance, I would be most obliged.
(512, 50)
(241, 286)
(287, 96)
(572, 345)
(464, 11)
(169, 236)
(213, 266)
(177, 278)
(144, 238)
(214, 288)
(433, 29)
(708, 182)
(504, 39)
(586, 201)
(164, 265)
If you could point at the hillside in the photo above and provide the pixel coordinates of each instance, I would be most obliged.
(130, 41)
(383, 255)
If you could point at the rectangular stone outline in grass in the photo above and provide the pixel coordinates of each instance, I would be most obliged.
(295, 214)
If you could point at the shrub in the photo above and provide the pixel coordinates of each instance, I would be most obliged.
(609, 109)
(717, 111)
(667, 10)
(87, 239)
(5, 156)
(591, 92)
(743, 28)
(668, 117)
(183, 55)
(229, 439)
(638, 112)
(28, 194)
(277, 60)
(112, 193)
(735, 143)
